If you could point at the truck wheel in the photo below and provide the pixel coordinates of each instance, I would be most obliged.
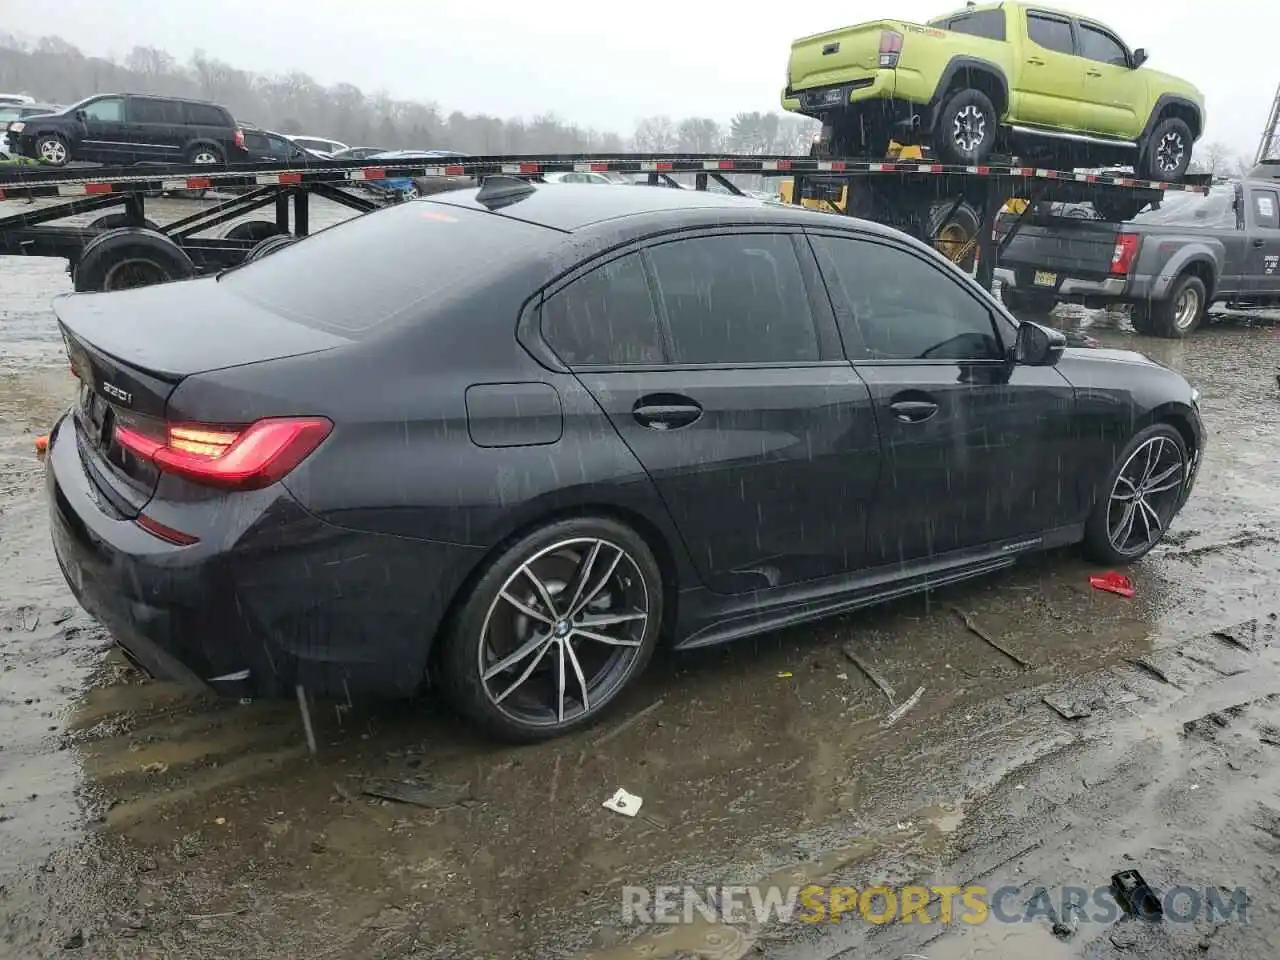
(1167, 152)
(1026, 301)
(965, 132)
(130, 257)
(52, 149)
(955, 238)
(113, 220)
(1140, 318)
(1179, 314)
(255, 230)
(270, 245)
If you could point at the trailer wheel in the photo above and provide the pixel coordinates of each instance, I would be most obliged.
(966, 128)
(1180, 313)
(270, 245)
(52, 148)
(955, 239)
(255, 230)
(129, 257)
(113, 220)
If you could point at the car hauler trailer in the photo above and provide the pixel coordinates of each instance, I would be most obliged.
(123, 249)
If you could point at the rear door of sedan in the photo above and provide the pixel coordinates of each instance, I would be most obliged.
(977, 450)
(716, 358)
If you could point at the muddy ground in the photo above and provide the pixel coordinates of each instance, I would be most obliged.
(139, 820)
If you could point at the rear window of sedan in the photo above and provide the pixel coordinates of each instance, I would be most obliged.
(384, 267)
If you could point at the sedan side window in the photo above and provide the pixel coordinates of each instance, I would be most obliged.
(606, 318)
(107, 111)
(736, 298)
(898, 306)
(1102, 47)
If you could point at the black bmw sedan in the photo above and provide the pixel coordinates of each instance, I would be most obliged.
(517, 438)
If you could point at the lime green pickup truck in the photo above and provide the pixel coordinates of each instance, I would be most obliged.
(1015, 78)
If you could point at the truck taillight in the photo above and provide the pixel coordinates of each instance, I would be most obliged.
(890, 47)
(245, 458)
(1126, 251)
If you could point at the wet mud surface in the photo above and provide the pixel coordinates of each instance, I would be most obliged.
(140, 820)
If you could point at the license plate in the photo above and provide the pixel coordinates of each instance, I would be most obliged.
(1046, 279)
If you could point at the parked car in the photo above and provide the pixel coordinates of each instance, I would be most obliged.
(356, 153)
(1169, 263)
(266, 146)
(601, 418)
(11, 112)
(16, 99)
(129, 128)
(1009, 75)
(321, 146)
(411, 188)
(580, 176)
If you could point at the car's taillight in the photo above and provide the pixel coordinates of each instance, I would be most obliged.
(890, 47)
(1125, 253)
(240, 139)
(245, 458)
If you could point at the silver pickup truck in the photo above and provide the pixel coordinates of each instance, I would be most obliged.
(1170, 263)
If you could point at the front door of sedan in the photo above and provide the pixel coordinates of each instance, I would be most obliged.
(1113, 90)
(976, 449)
(717, 360)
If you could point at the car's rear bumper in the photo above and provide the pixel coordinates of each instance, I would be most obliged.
(283, 599)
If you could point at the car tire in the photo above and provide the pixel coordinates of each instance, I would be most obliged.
(205, 154)
(1180, 313)
(129, 257)
(1025, 301)
(53, 149)
(255, 230)
(1167, 152)
(270, 245)
(966, 128)
(504, 612)
(1161, 488)
(113, 220)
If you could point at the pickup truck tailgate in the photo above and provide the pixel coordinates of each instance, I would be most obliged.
(1064, 245)
(837, 56)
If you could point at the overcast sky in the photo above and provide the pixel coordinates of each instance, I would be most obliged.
(604, 64)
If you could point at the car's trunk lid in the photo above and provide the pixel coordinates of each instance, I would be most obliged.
(846, 55)
(131, 349)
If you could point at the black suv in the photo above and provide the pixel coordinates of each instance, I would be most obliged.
(129, 128)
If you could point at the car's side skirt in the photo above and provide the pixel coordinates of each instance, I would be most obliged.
(718, 619)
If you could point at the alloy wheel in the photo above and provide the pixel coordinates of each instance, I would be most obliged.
(1145, 496)
(1170, 151)
(969, 128)
(53, 151)
(205, 156)
(1186, 308)
(564, 633)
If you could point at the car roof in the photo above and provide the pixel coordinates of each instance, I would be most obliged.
(573, 207)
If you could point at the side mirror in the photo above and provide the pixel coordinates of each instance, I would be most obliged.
(81, 115)
(1037, 346)
(1139, 57)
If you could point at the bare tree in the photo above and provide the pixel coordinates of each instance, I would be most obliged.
(655, 134)
(1215, 158)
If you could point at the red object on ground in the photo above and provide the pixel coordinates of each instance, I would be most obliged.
(1113, 582)
(42, 443)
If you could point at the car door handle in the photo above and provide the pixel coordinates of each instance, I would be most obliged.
(666, 412)
(1035, 61)
(1259, 242)
(1092, 73)
(913, 411)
